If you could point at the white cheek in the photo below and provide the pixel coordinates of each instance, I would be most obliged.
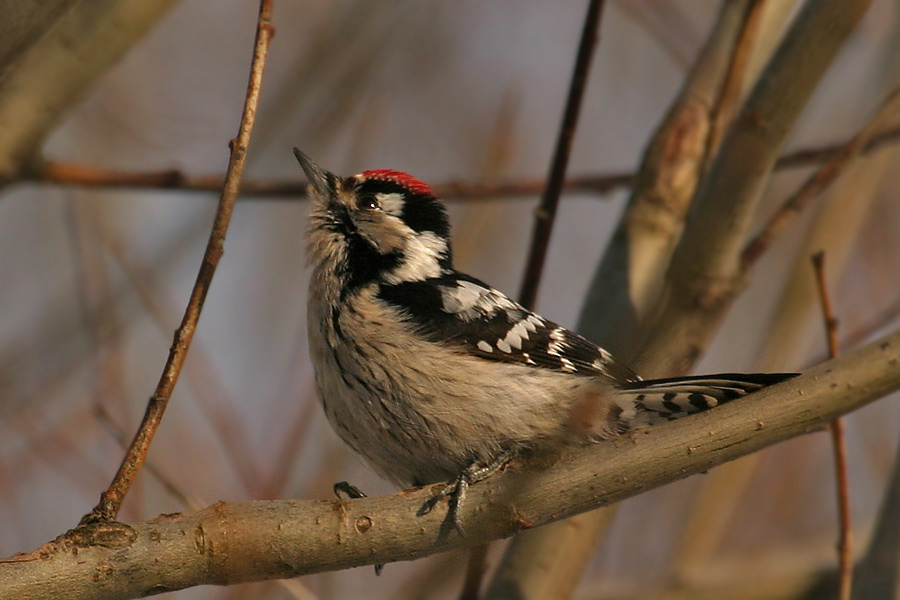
(392, 204)
(421, 259)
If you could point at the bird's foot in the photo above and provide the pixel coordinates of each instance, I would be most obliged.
(458, 487)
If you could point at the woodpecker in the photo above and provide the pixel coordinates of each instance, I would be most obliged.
(430, 374)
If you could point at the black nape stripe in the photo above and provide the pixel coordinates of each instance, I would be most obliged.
(425, 213)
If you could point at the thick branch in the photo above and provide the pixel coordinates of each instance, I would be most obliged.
(24, 23)
(237, 542)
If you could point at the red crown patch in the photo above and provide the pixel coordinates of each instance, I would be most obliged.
(400, 178)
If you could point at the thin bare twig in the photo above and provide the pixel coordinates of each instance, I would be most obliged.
(819, 181)
(881, 320)
(845, 542)
(111, 500)
(64, 173)
(546, 212)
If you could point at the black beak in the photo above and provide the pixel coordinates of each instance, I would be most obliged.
(321, 180)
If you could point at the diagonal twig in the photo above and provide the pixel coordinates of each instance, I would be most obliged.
(879, 321)
(819, 181)
(546, 212)
(111, 500)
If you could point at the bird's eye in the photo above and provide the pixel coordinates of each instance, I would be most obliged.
(368, 202)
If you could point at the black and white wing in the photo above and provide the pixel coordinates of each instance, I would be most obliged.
(661, 400)
(459, 310)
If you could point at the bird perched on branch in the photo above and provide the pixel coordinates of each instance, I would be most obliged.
(434, 376)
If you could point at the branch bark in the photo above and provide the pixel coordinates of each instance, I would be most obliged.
(25, 22)
(229, 543)
(47, 172)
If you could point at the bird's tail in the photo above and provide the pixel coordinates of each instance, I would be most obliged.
(660, 400)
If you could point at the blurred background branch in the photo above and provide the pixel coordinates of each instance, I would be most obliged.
(53, 52)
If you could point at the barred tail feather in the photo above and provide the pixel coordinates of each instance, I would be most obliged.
(660, 400)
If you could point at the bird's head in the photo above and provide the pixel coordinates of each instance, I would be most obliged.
(380, 226)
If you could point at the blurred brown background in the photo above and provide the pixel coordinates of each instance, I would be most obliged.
(93, 282)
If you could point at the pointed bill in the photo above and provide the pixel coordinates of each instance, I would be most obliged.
(321, 180)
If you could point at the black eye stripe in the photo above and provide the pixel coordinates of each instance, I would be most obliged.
(368, 202)
(422, 212)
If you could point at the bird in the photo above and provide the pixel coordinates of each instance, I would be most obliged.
(433, 376)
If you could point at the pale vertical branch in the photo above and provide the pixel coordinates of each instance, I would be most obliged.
(548, 562)
(711, 517)
(54, 72)
(828, 27)
(834, 230)
(705, 275)
(774, 19)
(551, 560)
(24, 23)
(626, 282)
